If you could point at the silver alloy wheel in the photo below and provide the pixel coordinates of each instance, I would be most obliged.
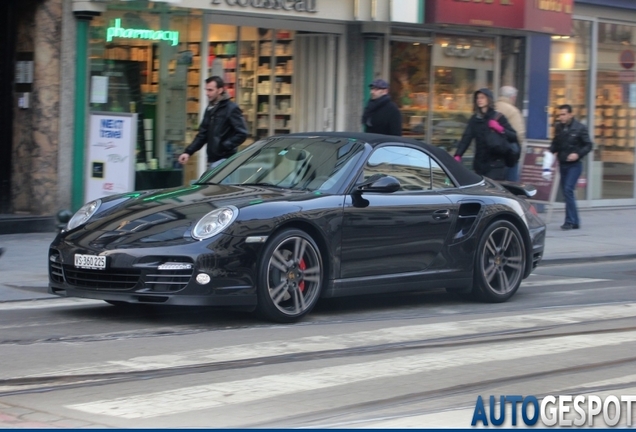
(294, 276)
(502, 260)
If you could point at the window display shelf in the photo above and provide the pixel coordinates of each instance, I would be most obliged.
(274, 74)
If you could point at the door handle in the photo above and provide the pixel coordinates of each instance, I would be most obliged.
(441, 214)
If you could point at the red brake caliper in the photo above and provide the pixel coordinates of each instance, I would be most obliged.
(302, 266)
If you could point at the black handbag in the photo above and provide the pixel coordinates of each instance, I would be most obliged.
(498, 144)
(513, 155)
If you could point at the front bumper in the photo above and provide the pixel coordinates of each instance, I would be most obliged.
(140, 275)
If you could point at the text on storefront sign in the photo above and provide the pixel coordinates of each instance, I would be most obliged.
(554, 5)
(287, 5)
(477, 53)
(501, 2)
(545, 16)
(157, 35)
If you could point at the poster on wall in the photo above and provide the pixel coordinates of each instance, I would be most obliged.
(116, 87)
(110, 155)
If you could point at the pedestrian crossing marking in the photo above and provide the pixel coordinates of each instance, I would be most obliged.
(221, 394)
(565, 281)
(311, 344)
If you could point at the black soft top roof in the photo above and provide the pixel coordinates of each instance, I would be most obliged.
(463, 176)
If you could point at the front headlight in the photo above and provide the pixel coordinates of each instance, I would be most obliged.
(214, 222)
(84, 214)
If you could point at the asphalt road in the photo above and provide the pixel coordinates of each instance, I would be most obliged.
(413, 360)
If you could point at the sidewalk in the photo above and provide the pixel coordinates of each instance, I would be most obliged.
(605, 233)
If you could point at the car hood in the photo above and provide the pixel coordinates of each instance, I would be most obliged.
(168, 215)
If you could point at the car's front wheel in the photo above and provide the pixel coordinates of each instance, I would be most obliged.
(499, 262)
(290, 276)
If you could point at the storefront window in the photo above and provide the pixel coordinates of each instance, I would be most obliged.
(257, 65)
(569, 70)
(410, 85)
(615, 115)
(513, 65)
(461, 66)
(569, 81)
(144, 58)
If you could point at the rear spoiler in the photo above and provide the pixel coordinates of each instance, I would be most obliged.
(522, 189)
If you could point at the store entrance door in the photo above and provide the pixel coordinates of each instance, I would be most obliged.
(315, 85)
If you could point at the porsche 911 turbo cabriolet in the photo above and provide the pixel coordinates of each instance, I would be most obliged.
(295, 218)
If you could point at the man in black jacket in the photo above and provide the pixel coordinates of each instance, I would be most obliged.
(381, 115)
(571, 143)
(222, 128)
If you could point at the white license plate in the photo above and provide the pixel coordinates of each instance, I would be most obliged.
(90, 262)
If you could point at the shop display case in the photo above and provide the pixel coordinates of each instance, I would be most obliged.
(257, 65)
(275, 69)
(567, 87)
(614, 125)
(246, 77)
(614, 128)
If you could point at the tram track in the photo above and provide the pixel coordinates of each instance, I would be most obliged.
(368, 411)
(52, 382)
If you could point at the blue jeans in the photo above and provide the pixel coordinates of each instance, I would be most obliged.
(570, 173)
(513, 173)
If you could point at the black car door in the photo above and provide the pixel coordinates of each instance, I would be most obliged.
(400, 232)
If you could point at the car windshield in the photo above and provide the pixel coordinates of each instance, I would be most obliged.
(300, 163)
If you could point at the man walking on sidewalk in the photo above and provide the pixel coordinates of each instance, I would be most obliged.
(381, 115)
(222, 128)
(571, 143)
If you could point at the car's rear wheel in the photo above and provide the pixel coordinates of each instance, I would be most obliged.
(499, 262)
(290, 276)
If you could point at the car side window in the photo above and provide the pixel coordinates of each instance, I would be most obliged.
(410, 166)
(439, 178)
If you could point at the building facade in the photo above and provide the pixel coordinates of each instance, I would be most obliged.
(295, 66)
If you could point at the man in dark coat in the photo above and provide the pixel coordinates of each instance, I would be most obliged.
(484, 120)
(381, 115)
(222, 128)
(571, 143)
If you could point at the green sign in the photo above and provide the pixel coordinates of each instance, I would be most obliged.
(157, 35)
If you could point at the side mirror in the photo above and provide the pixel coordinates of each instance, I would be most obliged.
(379, 183)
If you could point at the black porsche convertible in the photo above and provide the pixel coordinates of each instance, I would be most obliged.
(295, 218)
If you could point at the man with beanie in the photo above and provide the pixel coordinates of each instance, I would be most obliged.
(381, 115)
(506, 105)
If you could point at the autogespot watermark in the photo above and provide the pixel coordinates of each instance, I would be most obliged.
(560, 410)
